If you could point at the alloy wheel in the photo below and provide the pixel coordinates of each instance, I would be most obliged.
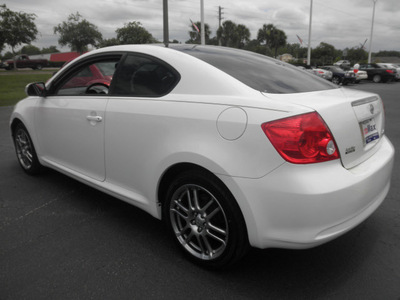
(24, 149)
(199, 222)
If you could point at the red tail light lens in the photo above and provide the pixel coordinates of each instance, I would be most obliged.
(302, 139)
(390, 71)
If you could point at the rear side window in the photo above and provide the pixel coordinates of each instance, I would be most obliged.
(144, 76)
(259, 71)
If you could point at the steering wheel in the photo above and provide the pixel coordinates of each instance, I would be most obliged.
(97, 88)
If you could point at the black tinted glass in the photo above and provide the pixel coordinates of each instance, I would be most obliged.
(143, 76)
(259, 71)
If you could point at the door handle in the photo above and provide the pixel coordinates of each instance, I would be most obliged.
(94, 118)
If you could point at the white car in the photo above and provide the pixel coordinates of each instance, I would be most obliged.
(344, 64)
(360, 75)
(215, 141)
(319, 72)
(323, 73)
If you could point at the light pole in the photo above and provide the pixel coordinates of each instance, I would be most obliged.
(166, 29)
(202, 33)
(372, 31)
(309, 36)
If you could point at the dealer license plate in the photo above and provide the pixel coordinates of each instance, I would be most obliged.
(369, 130)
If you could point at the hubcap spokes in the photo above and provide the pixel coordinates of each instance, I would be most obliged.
(199, 222)
(24, 149)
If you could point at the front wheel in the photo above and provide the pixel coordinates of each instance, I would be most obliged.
(336, 80)
(205, 220)
(25, 151)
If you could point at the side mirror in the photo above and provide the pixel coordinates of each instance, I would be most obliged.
(36, 89)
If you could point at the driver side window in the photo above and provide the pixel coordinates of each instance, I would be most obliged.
(89, 79)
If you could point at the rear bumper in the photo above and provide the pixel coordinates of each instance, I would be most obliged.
(302, 206)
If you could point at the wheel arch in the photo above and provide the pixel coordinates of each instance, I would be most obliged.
(170, 174)
(14, 123)
(173, 171)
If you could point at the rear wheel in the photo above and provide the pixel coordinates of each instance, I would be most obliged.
(205, 220)
(25, 151)
(377, 78)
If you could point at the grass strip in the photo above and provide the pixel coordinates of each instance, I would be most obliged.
(12, 87)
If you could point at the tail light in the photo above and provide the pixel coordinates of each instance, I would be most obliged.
(390, 71)
(302, 139)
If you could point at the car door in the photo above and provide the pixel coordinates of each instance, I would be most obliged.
(133, 112)
(70, 121)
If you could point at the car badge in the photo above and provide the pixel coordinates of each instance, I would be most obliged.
(371, 109)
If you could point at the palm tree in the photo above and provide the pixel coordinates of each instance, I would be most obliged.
(243, 35)
(227, 34)
(272, 36)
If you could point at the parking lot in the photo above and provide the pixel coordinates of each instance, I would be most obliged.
(60, 239)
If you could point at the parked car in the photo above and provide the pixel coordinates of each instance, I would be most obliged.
(323, 73)
(393, 67)
(98, 76)
(229, 147)
(343, 64)
(377, 73)
(359, 74)
(340, 76)
(319, 72)
(23, 61)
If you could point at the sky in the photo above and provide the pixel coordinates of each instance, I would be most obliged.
(341, 23)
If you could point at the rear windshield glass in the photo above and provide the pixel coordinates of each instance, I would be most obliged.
(258, 71)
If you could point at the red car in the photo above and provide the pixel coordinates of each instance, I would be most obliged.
(91, 79)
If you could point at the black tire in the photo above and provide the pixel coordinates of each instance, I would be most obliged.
(205, 220)
(39, 67)
(377, 78)
(25, 151)
(336, 80)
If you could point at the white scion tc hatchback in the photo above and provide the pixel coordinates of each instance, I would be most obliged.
(229, 147)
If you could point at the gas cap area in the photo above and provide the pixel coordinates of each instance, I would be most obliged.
(232, 123)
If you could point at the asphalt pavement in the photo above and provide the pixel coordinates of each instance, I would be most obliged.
(60, 239)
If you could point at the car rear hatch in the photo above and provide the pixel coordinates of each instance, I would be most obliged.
(356, 120)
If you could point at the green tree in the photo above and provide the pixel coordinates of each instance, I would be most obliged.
(30, 50)
(134, 33)
(243, 36)
(51, 49)
(16, 28)
(254, 46)
(357, 55)
(195, 37)
(77, 33)
(387, 53)
(324, 54)
(8, 55)
(108, 42)
(272, 37)
(227, 34)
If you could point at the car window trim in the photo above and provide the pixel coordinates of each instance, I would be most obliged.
(57, 83)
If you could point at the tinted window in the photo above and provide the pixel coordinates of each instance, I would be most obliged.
(144, 76)
(258, 71)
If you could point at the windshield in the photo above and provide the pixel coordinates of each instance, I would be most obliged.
(258, 71)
